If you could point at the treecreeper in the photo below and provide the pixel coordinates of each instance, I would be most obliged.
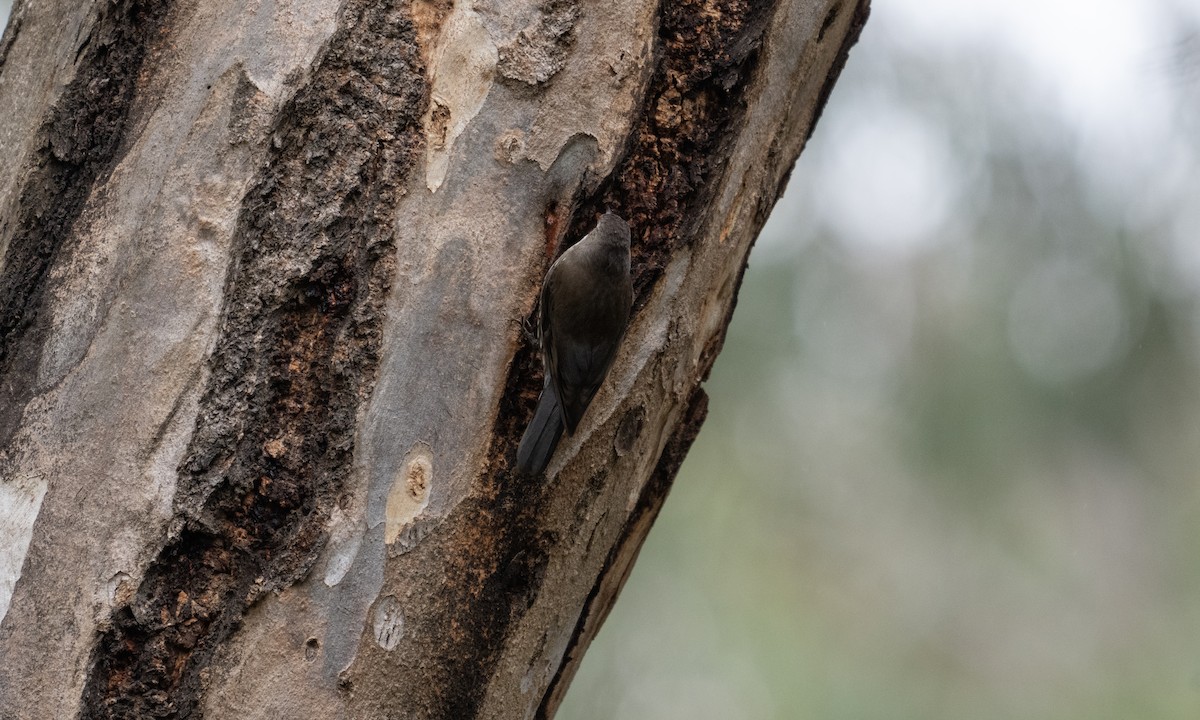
(584, 309)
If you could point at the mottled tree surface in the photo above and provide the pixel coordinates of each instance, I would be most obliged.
(264, 274)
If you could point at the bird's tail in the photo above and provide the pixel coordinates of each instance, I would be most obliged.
(542, 435)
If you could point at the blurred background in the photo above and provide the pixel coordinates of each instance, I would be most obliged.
(951, 467)
(952, 462)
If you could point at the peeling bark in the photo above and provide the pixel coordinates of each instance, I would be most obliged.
(264, 270)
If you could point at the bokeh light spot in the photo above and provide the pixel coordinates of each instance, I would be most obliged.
(1065, 322)
(890, 181)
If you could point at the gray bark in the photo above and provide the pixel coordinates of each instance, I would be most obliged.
(264, 270)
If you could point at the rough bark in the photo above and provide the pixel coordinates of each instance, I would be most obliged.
(264, 272)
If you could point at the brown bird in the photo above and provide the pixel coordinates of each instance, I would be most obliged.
(585, 303)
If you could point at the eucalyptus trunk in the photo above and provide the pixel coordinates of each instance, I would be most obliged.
(265, 272)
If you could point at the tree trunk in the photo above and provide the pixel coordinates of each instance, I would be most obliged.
(265, 270)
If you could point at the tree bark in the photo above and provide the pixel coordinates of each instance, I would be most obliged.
(265, 268)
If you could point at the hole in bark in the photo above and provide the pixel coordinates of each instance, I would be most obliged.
(830, 18)
(628, 430)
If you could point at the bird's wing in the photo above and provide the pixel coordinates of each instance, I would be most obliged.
(579, 370)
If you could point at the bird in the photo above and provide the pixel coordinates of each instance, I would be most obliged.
(585, 303)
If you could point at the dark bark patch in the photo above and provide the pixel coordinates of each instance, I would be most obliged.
(629, 430)
(708, 51)
(82, 140)
(297, 355)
